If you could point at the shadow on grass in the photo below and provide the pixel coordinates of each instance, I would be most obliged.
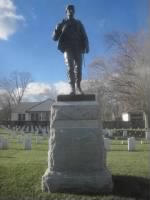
(7, 157)
(18, 149)
(41, 144)
(131, 186)
(120, 150)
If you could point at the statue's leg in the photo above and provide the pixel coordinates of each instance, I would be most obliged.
(78, 69)
(69, 61)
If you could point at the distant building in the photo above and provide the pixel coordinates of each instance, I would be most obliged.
(38, 113)
(138, 116)
(136, 119)
(133, 116)
(32, 112)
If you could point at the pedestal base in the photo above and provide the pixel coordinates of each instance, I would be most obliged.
(100, 183)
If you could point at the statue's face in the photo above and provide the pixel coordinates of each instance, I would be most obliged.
(70, 13)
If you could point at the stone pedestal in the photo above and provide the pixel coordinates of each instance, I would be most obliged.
(76, 156)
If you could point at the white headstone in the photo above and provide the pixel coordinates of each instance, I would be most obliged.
(110, 134)
(122, 142)
(107, 132)
(27, 129)
(125, 133)
(28, 135)
(38, 139)
(36, 133)
(38, 130)
(20, 139)
(13, 134)
(9, 132)
(131, 144)
(44, 133)
(23, 127)
(104, 131)
(17, 128)
(27, 143)
(48, 130)
(3, 143)
(147, 135)
(107, 143)
(32, 129)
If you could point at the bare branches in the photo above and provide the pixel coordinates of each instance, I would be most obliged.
(128, 81)
(15, 85)
(12, 89)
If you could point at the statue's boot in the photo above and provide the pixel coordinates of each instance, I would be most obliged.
(72, 89)
(79, 88)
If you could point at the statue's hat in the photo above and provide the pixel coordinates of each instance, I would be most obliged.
(70, 7)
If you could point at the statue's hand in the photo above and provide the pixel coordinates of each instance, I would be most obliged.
(58, 26)
(87, 50)
(57, 32)
(63, 25)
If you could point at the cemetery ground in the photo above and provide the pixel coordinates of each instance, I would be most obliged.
(21, 171)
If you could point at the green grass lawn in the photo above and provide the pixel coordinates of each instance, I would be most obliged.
(21, 171)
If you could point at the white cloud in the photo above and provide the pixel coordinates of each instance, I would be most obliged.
(62, 88)
(37, 88)
(38, 91)
(9, 20)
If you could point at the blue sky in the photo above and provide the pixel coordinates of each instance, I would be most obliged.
(25, 32)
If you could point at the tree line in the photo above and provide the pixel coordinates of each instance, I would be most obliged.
(122, 79)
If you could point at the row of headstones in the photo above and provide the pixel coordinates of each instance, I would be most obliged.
(125, 133)
(131, 143)
(27, 142)
(29, 129)
(15, 135)
(43, 131)
(25, 139)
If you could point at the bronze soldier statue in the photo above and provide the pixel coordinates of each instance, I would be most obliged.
(73, 43)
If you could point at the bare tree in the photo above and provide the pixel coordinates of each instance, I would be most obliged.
(5, 106)
(133, 81)
(13, 88)
(130, 77)
(15, 85)
(100, 71)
